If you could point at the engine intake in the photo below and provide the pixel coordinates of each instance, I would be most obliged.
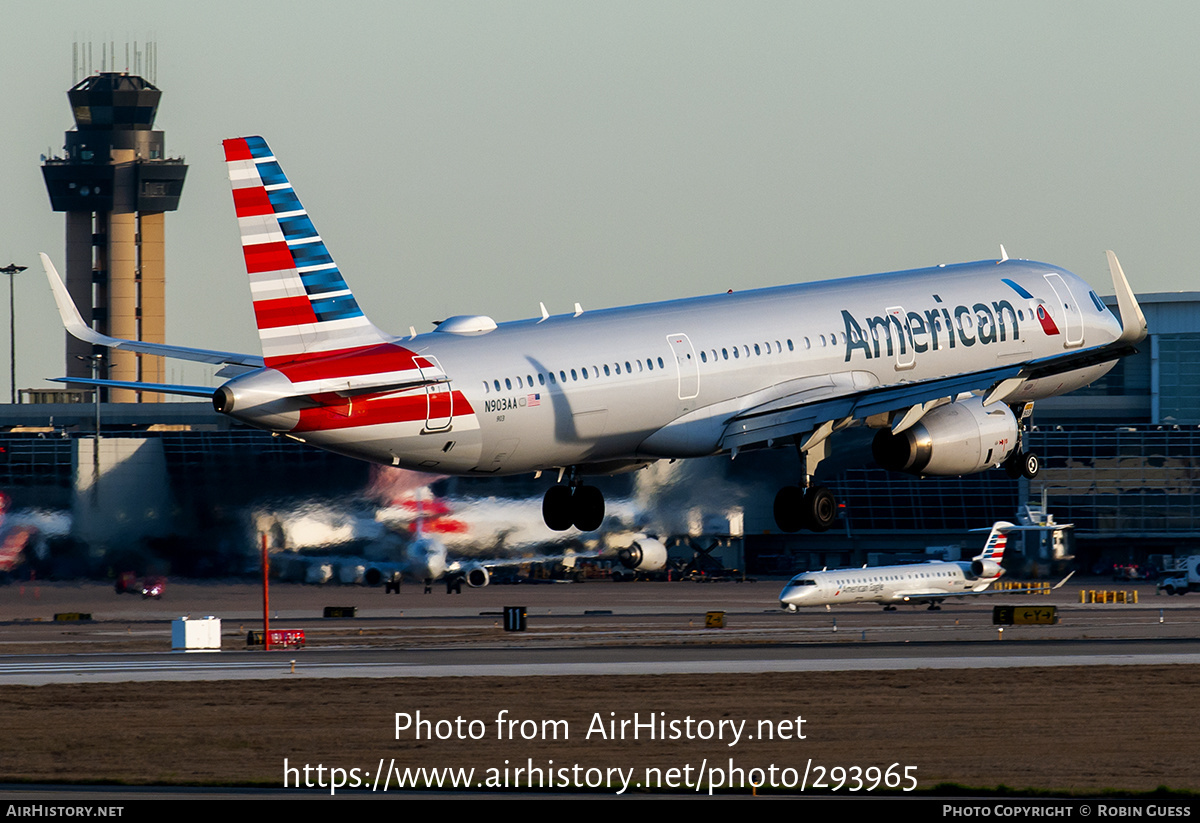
(957, 438)
(645, 555)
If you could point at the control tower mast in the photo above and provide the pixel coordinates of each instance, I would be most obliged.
(114, 184)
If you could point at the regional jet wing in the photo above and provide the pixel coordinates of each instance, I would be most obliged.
(924, 597)
(235, 363)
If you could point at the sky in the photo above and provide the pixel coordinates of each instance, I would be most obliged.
(480, 157)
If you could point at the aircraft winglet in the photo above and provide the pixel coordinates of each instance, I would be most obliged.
(1058, 585)
(1133, 321)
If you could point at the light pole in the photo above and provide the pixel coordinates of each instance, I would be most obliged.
(12, 269)
(96, 360)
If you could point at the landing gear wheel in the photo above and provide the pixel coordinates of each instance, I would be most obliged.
(556, 508)
(587, 508)
(1012, 465)
(1031, 464)
(819, 508)
(788, 507)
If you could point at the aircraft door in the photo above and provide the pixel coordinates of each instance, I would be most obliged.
(439, 398)
(1072, 317)
(905, 354)
(685, 362)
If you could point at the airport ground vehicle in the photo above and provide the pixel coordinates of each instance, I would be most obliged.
(1184, 578)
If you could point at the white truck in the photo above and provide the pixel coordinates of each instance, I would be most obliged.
(1184, 578)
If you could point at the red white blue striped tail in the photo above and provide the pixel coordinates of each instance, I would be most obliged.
(302, 305)
(997, 542)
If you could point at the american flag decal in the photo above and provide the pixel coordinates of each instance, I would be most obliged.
(533, 400)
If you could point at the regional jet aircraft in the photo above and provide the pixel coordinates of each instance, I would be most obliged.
(943, 362)
(930, 582)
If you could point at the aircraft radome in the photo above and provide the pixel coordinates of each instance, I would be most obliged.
(943, 362)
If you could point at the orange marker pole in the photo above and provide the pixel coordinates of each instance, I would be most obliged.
(266, 597)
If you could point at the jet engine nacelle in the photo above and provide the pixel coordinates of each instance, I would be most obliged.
(645, 555)
(986, 568)
(957, 438)
(477, 577)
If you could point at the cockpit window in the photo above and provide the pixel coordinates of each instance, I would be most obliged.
(801, 581)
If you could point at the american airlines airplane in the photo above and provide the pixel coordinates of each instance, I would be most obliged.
(943, 362)
(930, 582)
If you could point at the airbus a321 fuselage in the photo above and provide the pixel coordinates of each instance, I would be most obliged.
(942, 361)
(930, 582)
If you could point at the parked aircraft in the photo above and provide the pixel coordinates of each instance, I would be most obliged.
(930, 582)
(944, 362)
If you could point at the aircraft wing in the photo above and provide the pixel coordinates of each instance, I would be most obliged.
(924, 597)
(507, 562)
(801, 413)
(71, 319)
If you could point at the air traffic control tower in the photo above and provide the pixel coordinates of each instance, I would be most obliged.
(114, 184)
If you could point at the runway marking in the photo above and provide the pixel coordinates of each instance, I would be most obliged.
(279, 668)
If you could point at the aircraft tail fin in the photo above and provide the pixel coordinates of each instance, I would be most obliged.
(997, 542)
(302, 304)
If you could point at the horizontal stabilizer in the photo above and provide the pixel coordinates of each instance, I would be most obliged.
(160, 388)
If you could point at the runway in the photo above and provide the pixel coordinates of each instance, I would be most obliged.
(593, 630)
(38, 669)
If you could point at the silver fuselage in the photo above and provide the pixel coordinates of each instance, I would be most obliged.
(616, 387)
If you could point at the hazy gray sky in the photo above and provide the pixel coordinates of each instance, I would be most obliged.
(480, 157)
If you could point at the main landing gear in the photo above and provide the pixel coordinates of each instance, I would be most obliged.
(814, 508)
(808, 506)
(573, 505)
